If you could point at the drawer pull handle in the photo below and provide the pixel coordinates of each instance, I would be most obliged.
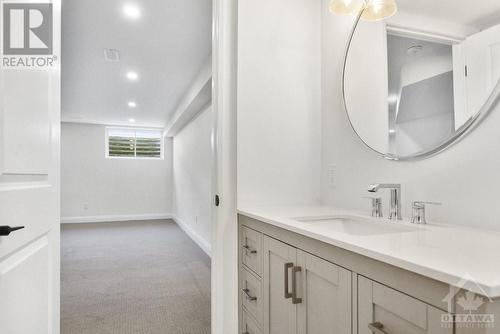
(295, 299)
(377, 328)
(248, 249)
(288, 266)
(249, 297)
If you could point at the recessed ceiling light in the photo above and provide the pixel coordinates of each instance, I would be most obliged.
(131, 11)
(131, 120)
(132, 76)
(132, 104)
(392, 131)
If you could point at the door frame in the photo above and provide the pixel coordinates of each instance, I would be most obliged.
(224, 273)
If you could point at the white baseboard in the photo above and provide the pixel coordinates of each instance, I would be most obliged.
(204, 244)
(114, 218)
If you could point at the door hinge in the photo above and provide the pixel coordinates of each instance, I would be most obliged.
(466, 71)
(217, 200)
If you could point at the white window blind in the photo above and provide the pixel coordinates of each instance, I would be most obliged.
(134, 143)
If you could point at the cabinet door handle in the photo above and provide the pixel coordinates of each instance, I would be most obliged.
(248, 249)
(377, 328)
(295, 299)
(287, 268)
(249, 297)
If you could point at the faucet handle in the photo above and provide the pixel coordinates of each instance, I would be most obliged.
(418, 208)
(376, 206)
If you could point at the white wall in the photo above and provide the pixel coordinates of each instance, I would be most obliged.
(465, 177)
(192, 161)
(279, 111)
(111, 188)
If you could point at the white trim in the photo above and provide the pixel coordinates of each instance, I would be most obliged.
(114, 218)
(422, 35)
(204, 244)
(224, 225)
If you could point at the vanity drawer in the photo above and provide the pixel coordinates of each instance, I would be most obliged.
(249, 325)
(390, 311)
(251, 294)
(251, 249)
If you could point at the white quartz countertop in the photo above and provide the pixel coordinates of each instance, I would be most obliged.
(460, 256)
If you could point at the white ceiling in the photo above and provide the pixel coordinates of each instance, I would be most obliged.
(477, 14)
(167, 46)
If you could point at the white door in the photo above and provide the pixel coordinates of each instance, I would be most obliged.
(326, 297)
(29, 188)
(482, 56)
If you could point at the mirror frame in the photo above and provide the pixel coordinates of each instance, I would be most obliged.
(460, 134)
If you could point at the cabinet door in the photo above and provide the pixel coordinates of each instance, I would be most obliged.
(394, 312)
(279, 312)
(326, 297)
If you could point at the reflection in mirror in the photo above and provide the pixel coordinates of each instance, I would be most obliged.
(421, 98)
(414, 82)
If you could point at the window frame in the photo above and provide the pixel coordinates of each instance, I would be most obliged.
(135, 129)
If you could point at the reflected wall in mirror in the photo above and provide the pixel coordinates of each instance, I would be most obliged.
(417, 81)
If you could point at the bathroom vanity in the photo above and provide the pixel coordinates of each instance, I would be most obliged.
(417, 78)
(320, 270)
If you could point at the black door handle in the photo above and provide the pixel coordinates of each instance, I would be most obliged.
(6, 230)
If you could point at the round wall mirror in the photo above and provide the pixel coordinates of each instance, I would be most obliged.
(417, 81)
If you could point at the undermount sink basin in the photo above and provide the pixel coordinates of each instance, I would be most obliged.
(357, 226)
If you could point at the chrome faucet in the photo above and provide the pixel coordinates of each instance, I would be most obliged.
(418, 215)
(395, 210)
(376, 206)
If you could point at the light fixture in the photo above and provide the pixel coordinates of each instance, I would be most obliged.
(376, 10)
(346, 7)
(392, 131)
(415, 49)
(131, 120)
(373, 10)
(132, 76)
(131, 11)
(132, 104)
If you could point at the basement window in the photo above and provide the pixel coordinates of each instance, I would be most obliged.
(134, 143)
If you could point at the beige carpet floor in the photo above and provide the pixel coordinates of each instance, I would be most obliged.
(143, 277)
